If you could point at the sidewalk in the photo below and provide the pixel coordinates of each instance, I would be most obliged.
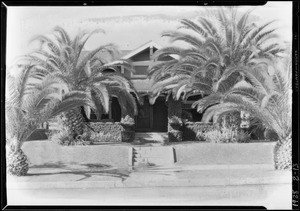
(174, 176)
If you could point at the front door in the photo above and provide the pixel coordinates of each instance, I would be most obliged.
(152, 118)
(160, 115)
(143, 121)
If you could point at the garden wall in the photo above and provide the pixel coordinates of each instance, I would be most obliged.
(49, 153)
(224, 153)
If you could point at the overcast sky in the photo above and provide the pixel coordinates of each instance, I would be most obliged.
(127, 26)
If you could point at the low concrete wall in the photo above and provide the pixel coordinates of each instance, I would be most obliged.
(221, 153)
(49, 153)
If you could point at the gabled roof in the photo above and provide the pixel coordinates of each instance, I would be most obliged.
(149, 44)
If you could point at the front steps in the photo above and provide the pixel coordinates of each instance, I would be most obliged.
(151, 138)
(152, 156)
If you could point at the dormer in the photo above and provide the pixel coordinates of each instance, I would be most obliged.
(140, 59)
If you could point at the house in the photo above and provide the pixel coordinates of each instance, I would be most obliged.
(154, 117)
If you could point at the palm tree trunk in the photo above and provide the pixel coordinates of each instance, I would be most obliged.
(283, 154)
(74, 121)
(17, 162)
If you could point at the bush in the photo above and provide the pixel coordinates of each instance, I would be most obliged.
(175, 122)
(65, 138)
(127, 136)
(200, 136)
(175, 136)
(102, 137)
(192, 130)
(225, 135)
(243, 137)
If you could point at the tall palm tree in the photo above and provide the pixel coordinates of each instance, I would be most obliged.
(267, 96)
(30, 101)
(215, 45)
(63, 58)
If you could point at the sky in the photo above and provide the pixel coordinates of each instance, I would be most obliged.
(126, 26)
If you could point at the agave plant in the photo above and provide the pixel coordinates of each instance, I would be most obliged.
(215, 44)
(61, 57)
(267, 96)
(30, 101)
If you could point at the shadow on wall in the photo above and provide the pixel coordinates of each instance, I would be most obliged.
(85, 170)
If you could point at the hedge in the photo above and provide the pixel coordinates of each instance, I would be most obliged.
(190, 129)
(113, 129)
(117, 131)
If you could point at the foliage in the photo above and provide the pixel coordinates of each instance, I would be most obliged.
(216, 44)
(106, 127)
(194, 130)
(127, 135)
(225, 135)
(32, 100)
(242, 137)
(175, 135)
(63, 58)
(103, 137)
(175, 121)
(64, 137)
(267, 96)
(229, 119)
(127, 121)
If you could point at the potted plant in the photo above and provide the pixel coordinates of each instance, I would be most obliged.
(175, 122)
(128, 134)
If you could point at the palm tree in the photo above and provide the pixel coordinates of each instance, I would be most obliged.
(214, 45)
(62, 57)
(30, 101)
(267, 96)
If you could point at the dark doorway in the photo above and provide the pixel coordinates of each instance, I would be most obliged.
(160, 115)
(143, 121)
(115, 110)
(152, 118)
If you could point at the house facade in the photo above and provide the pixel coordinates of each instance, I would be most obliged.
(150, 118)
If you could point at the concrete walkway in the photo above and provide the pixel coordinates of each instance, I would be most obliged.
(178, 176)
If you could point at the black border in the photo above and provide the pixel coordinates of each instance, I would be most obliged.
(295, 123)
(295, 55)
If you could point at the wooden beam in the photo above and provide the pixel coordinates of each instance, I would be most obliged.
(141, 63)
(151, 52)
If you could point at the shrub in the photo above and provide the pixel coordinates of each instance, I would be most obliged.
(200, 136)
(127, 120)
(243, 137)
(213, 136)
(127, 136)
(64, 137)
(175, 120)
(193, 129)
(175, 135)
(229, 119)
(225, 135)
(102, 137)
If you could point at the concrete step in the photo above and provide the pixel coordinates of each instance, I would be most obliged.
(153, 155)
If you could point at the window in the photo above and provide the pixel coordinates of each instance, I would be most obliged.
(140, 71)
